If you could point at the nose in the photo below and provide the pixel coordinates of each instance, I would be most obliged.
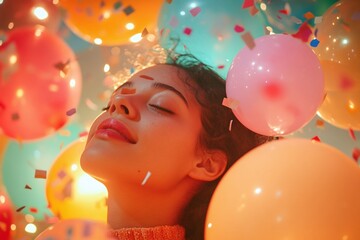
(122, 105)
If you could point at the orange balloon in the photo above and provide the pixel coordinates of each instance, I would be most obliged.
(287, 189)
(111, 22)
(338, 52)
(71, 192)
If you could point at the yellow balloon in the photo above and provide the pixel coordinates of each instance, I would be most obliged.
(71, 193)
(338, 52)
(111, 22)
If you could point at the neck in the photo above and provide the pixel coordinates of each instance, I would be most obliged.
(141, 207)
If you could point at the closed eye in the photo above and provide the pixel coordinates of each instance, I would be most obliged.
(105, 108)
(157, 107)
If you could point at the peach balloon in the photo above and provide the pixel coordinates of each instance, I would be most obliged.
(287, 189)
(71, 192)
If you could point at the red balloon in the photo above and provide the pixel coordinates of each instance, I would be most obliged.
(6, 216)
(40, 83)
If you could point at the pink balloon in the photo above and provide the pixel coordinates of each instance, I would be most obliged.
(40, 81)
(277, 86)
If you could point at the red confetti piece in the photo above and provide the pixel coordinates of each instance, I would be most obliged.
(230, 103)
(27, 187)
(33, 210)
(248, 3)
(126, 90)
(195, 11)
(284, 11)
(40, 174)
(356, 154)
(220, 66)
(248, 40)
(146, 77)
(20, 209)
(253, 10)
(187, 31)
(71, 112)
(309, 15)
(320, 123)
(239, 28)
(316, 138)
(83, 134)
(352, 134)
(303, 33)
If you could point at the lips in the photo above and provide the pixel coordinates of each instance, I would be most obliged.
(115, 129)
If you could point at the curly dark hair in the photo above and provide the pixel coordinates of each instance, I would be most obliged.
(209, 89)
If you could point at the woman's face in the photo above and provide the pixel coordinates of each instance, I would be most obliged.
(149, 133)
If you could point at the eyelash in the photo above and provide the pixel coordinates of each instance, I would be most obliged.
(105, 108)
(151, 105)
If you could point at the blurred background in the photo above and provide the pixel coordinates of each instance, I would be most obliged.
(61, 59)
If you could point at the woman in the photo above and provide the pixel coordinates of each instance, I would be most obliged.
(161, 146)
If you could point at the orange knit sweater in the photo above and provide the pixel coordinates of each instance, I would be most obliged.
(155, 233)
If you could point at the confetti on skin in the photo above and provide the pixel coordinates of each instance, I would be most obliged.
(195, 11)
(187, 31)
(146, 77)
(230, 125)
(230, 103)
(248, 40)
(320, 123)
(27, 187)
(352, 134)
(238, 28)
(63, 67)
(314, 42)
(144, 32)
(128, 10)
(15, 116)
(126, 90)
(20, 209)
(316, 138)
(148, 174)
(248, 3)
(356, 154)
(71, 111)
(303, 33)
(40, 174)
(309, 15)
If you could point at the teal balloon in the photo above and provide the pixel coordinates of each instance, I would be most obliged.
(20, 162)
(211, 30)
(286, 16)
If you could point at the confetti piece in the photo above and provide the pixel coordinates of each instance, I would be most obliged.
(63, 67)
(144, 32)
(320, 123)
(91, 105)
(248, 39)
(303, 33)
(33, 210)
(230, 103)
(126, 90)
(248, 3)
(61, 174)
(102, 3)
(20, 209)
(346, 83)
(83, 134)
(317, 20)
(314, 42)
(238, 28)
(128, 10)
(146, 77)
(283, 11)
(148, 174)
(220, 66)
(187, 31)
(117, 5)
(174, 22)
(253, 10)
(71, 111)
(316, 138)
(309, 15)
(27, 187)
(356, 154)
(40, 173)
(195, 11)
(352, 134)
(64, 132)
(15, 116)
(230, 125)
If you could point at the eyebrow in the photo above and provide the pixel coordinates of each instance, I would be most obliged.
(161, 86)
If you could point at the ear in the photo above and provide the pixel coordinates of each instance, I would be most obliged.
(209, 166)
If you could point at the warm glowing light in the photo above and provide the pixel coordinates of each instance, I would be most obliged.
(136, 38)
(87, 185)
(263, 6)
(10, 25)
(55, 2)
(98, 41)
(19, 93)
(182, 13)
(106, 68)
(30, 228)
(1, 1)
(29, 218)
(351, 105)
(107, 14)
(39, 31)
(74, 167)
(72, 83)
(2, 199)
(40, 13)
(13, 227)
(129, 26)
(193, 5)
(257, 190)
(345, 41)
(13, 59)
(209, 225)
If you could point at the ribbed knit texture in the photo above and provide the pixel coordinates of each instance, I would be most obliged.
(154, 233)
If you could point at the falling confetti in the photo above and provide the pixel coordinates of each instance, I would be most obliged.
(248, 3)
(187, 31)
(303, 33)
(248, 40)
(128, 10)
(309, 15)
(352, 134)
(40, 173)
(27, 187)
(63, 67)
(20, 209)
(144, 32)
(320, 123)
(238, 28)
(70, 112)
(230, 103)
(230, 125)
(356, 154)
(15, 116)
(314, 42)
(148, 174)
(195, 11)
(316, 138)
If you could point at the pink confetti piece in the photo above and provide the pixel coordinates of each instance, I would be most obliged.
(248, 3)
(283, 11)
(83, 134)
(174, 22)
(230, 125)
(352, 134)
(187, 31)
(40, 173)
(316, 138)
(230, 103)
(238, 28)
(148, 174)
(248, 40)
(356, 154)
(71, 111)
(195, 11)
(91, 105)
(61, 174)
(303, 33)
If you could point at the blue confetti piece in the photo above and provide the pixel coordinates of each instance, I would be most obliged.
(132, 70)
(314, 43)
